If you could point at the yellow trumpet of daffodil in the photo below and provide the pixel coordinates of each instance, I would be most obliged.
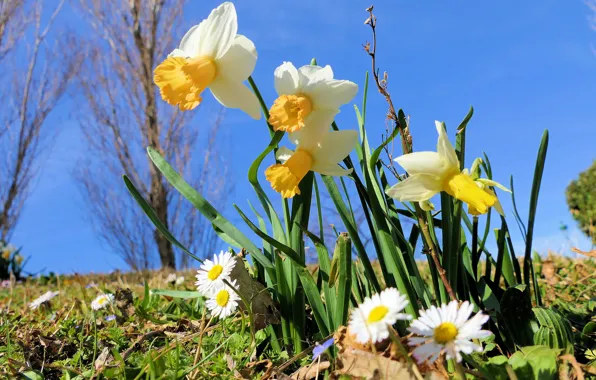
(319, 153)
(485, 184)
(308, 96)
(211, 55)
(433, 172)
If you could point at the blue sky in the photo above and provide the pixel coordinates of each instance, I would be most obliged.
(524, 66)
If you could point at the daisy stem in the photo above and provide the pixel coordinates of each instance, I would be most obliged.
(95, 339)
(404, 351)
(460, 370)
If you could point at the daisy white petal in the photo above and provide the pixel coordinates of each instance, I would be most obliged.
(102, 301)
(223, 301)
(447, 329)
(44, 298)
(370, 322)
(211, 274)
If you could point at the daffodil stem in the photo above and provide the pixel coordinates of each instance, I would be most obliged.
(475, 254)
(433, 251)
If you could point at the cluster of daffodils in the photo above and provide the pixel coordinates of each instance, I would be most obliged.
(308, 100)
(433, 172)
(447, 329)
(212, 55)
(222, 300)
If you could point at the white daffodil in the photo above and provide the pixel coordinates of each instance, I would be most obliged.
(371, 321)
(102, 301)
(447, 329)
(308, 96)
(212, 274)
(211, 55)
(319, 153)
(433, 172)
(223, 301)
(44, 298)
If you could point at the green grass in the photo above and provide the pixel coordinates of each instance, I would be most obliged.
(159, 337)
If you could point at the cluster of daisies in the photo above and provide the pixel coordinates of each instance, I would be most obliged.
(100, 302)
(447, 329)
(215, 283)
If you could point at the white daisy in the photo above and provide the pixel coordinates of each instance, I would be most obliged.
(372, 319)
(46, 297)
(171, 278)
(212, 273)
(447, 329)
(102, 301)
(179, 281)
(223, 301)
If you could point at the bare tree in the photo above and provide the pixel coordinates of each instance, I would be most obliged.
(35, 75)
(121, 115)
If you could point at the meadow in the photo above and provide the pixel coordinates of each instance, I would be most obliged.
(159, 336)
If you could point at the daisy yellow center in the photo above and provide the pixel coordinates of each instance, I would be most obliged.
(102, 300)
(181, 80)
(284, 178)
(289, 111)
(377, 314)
(214, 272)
(222, 298)
(462, 187)
(445, 332)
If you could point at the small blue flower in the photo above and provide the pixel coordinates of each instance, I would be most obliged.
(91, 285)
(110, 317)
(320, 348)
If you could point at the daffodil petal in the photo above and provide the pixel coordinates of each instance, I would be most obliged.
(335, 146)
(490, 182)
(417, 188)
(283, 154)
(189, 45)
(317, 124)
(444, 147)
(178, 53)
(331, 94)
(217, 32)
(239, 61)
(234, 94)
(331, 169)
(286, 79)
(423, 163)
(311, 74)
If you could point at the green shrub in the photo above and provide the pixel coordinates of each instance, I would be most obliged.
(581, 199)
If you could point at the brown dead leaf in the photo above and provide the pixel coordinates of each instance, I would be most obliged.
(264, 309)
(549, 272)
(577, 370)
(311, 371)
(591, 253)
(253, 368)
(358, 364)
